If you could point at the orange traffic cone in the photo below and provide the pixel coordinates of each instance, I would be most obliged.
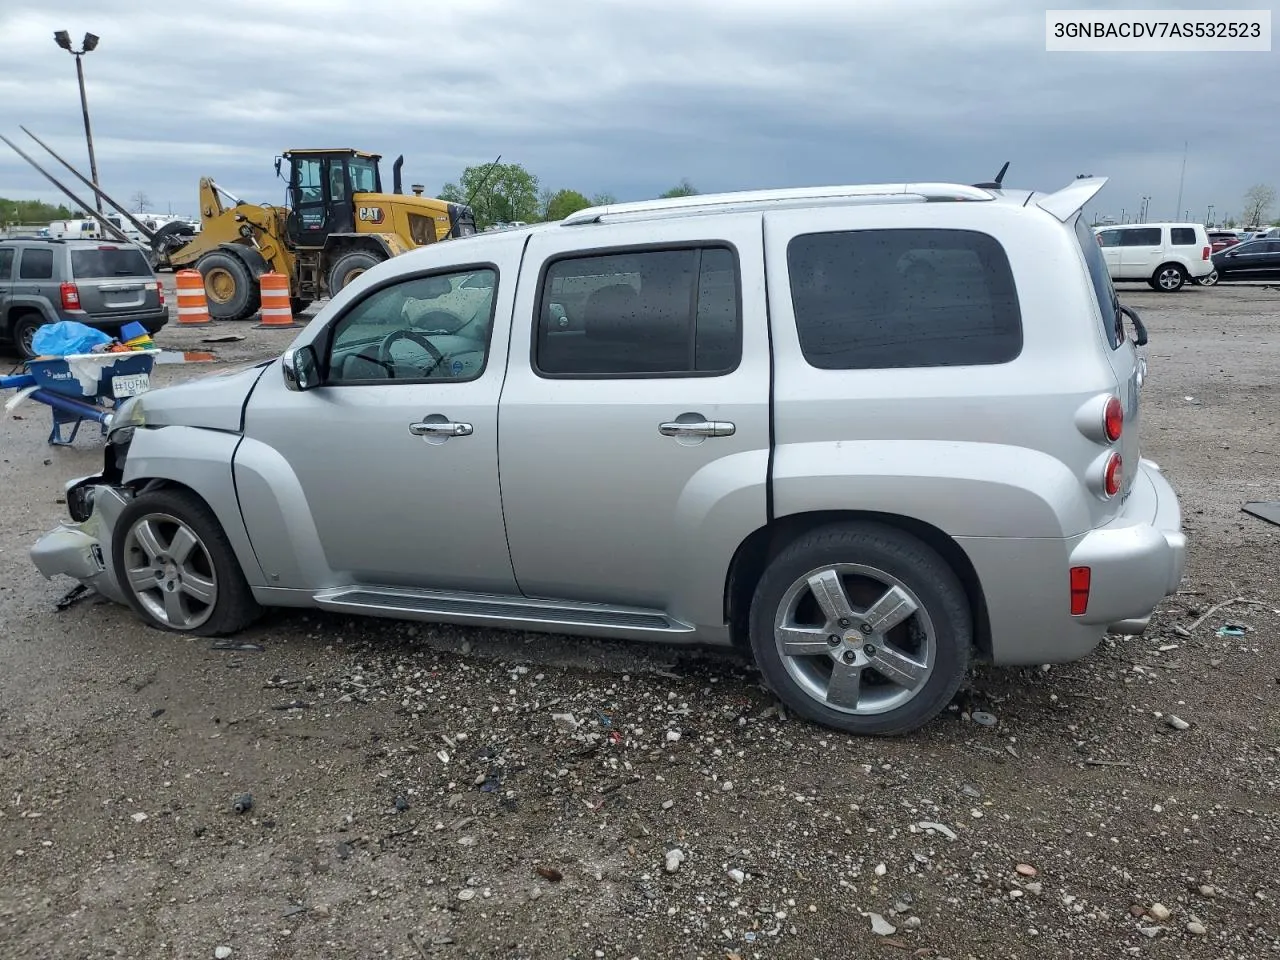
(276, 311)
(193, 308)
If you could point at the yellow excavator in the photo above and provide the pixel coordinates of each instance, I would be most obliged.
(338, 224)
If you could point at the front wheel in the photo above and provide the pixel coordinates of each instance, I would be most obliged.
(862, 628)
(1168, 278)
(1208, 281)
(229, 288)
(176, 567)
(24, 333)
(348, 267)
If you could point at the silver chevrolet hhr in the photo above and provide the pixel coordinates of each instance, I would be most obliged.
(866, 433)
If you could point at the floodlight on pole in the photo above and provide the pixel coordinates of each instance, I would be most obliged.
(63, 39)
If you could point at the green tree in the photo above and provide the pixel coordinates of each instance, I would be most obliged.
(498, 193)
(565, 202)
(32, 211)
(683, 189)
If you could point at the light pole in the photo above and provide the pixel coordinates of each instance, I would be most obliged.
(1143, 213)
(1208, 216)
(63, 39)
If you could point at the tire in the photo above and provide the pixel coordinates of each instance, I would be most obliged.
(1168, 278)
(171, 237)
(230, 290)
(24, 328)
(204, 593)
(348, 267)
(1209, 281)
(898, 677)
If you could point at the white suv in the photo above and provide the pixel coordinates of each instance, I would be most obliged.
(1166, 255)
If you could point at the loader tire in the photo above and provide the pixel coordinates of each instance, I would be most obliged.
(348, 267)
(231, 291)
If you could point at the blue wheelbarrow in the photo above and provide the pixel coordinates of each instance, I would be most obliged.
(82, 387)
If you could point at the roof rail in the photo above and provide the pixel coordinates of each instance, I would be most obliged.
(758, 199)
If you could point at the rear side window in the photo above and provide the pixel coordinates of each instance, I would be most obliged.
(879, 299)
(1184, 236)
(36, 265)
(1103, 291)
(6, 263)
(1142, 237)
(108, 262)
(640, 313)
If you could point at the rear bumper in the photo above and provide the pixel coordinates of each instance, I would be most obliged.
(1136, 560)
(152, 320)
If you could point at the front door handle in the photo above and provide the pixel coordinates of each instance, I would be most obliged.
(697, 428)
(440, 428)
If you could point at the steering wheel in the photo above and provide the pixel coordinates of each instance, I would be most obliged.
(384, 349)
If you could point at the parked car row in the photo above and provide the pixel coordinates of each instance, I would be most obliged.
(1170, 255)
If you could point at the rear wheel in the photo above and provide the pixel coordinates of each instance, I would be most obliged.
(1208, 281)
(176, 567)
(348, 267)
(861, 628)
(24, 331)
(1168, 278)
(229, 288)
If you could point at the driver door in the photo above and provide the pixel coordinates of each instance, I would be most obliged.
(396, 451)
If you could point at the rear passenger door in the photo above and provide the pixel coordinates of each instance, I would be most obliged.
(634, 422)
(1141, 251)
(34, 276)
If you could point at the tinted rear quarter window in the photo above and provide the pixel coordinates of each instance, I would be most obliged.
(108, 262)
(36, 265)
(1183, 236)
(6, 263)
(1103, 291)
(880, 299)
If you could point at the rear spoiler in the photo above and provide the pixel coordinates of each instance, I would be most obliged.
(1070, 199)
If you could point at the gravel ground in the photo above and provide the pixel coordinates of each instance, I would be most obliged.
(430, 792)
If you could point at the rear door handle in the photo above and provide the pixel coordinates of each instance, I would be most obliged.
(440, 428)
(697, 428)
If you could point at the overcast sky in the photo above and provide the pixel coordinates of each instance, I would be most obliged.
(629, 96)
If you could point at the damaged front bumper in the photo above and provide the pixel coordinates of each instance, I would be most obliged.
(83, 550)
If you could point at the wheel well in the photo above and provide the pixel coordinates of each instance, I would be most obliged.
(1172, 263)
(338, 247)
(754, 554)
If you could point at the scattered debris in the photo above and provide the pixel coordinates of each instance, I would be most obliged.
(466, 893)
(1218, 606)
(880, 926)
(737, 876)
(1232, 630)
(1176, 722)
(225, 338)
(1159, 912)
(138, 817)
(941, 828)
(1026, 870)
(983, 719)
(550, 873)
(72, 596)
(1197, 929)
(1268, 510)
(668, 804)
(674, 857)
(158, 712)
(294, 705)
(221, 953)
(242, 803)
(294, 911)
(401, 804)
(237, 646)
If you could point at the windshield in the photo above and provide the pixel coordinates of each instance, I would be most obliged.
(364, 175)
(109, 262)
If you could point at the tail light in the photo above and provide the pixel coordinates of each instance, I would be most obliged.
(70, 296)
(1113, 419)
(1205, 254)
(1080, 580)
(1111, 475)
(160, 291)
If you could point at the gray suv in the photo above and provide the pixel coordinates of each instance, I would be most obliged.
(99, 283)
(863, 433)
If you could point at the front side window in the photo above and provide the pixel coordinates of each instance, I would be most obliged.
(310, 185)
(1109, 238)
(640, 313)
(364, 175)
(1183, 236)
(1141, 237)
(880, 299)
(432, 328)
(36, 265)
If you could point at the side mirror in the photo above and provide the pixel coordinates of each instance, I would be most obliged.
(301, 368)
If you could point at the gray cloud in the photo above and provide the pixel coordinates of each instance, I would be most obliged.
(630, 95)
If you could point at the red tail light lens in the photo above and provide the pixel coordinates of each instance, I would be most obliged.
(1080, 580)
(1205, 255)
(160, 291)
(70, 296)
(1113, 419)
(1112, 474)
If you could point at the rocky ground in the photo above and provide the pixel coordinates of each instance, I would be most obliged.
(432, 792)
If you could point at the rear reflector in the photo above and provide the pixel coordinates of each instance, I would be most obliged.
(1080, 579)
(1111, 475)
(70, 296)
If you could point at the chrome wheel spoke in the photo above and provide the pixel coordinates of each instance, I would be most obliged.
(845, 686)
(803, 641)
(898, 668)
(143, 578)
(183, 542)
(145, 535)
(198, 587)
(829, 592)
(174, 610)
(890, 610)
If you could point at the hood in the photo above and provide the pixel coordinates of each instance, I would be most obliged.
(215, 402)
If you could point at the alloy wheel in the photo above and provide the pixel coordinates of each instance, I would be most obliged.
(169, 569)
(855, 639)
(1170, 278)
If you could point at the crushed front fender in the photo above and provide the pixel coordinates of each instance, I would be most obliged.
(82, 551)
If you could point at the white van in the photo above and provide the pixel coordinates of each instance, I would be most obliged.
(84, 229)
(1166, 255)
